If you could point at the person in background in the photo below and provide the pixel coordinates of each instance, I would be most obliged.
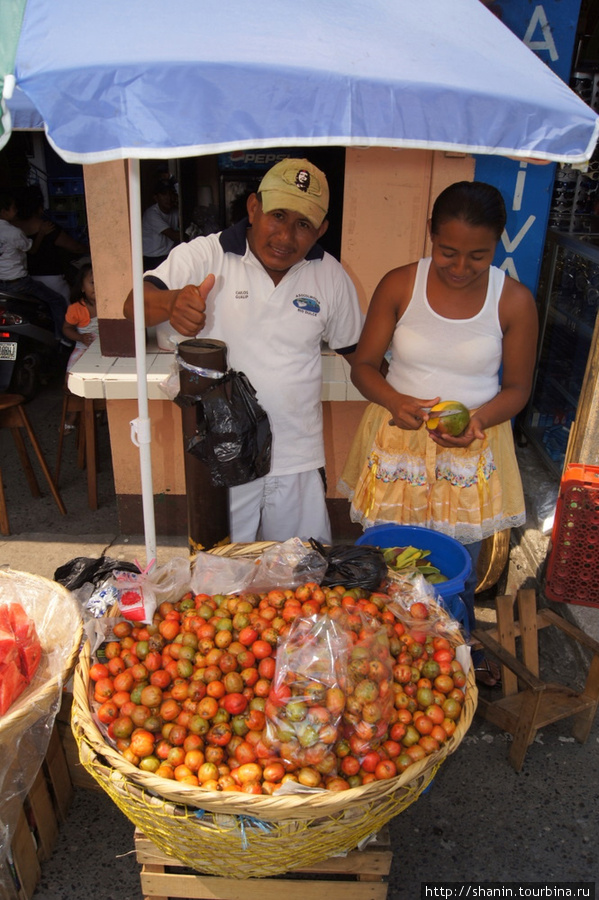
(81, 319)
(14, 274)
(160, 224)
(459, 329)
(52, 247)
(268, 290)
(81, 322)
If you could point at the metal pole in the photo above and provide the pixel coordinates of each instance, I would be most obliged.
(140, 427)
(207, 505)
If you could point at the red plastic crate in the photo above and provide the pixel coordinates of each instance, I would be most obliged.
(573, 564)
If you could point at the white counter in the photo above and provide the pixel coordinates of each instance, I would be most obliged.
(115, 378)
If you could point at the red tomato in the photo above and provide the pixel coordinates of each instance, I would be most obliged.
(261, 649)
(370, 761)
(385, 769)
(98, 671)
(234, 703)
(108, 712)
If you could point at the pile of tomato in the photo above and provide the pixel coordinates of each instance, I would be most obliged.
(189, 696)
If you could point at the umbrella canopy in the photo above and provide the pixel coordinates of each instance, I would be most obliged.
(143, 79)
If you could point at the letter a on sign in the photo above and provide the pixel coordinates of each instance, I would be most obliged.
(539, 19)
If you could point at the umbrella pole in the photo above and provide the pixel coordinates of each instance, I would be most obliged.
(140, 427)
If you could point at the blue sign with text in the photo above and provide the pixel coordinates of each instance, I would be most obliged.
(549, 29)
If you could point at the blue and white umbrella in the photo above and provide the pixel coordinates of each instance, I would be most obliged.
(143, 78)
(136, 79)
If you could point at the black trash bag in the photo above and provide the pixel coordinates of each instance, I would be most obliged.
(353, 566)
(83, 570)
(233, 435)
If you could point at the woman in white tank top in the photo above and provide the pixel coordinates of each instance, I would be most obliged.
(453, 322)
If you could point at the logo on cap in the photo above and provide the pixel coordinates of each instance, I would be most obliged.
(302, 180)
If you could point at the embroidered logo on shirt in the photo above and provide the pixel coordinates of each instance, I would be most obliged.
(308, 305)
(242, 295)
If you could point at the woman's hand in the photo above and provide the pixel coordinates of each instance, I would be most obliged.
(87, 338)
(474, 432)
(409, 412)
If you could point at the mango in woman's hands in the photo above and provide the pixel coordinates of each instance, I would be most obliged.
(454, 420)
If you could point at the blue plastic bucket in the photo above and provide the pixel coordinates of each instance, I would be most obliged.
(450, 557)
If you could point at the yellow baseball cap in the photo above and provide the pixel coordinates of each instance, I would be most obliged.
(298, 185)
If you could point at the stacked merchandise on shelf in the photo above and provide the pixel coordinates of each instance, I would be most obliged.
(575, 200)
(569, 302)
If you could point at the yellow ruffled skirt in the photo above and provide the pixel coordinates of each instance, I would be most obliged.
(405, 478)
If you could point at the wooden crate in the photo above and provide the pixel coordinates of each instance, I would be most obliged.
(360, 875)
(45, 806)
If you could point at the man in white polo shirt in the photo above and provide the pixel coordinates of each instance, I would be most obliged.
(272, 294)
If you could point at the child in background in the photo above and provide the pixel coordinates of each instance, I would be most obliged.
(81, 321)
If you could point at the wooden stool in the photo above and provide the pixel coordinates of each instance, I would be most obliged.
(528, 703)
(13, 416)
(86, 439)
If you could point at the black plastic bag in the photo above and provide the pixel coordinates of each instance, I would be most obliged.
(83, 570)
(233, 435)
(353, 566)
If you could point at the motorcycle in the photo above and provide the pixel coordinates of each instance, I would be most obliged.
(29, 351)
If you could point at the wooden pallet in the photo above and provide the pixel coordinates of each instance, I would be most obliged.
(361, 875)
(45, 806)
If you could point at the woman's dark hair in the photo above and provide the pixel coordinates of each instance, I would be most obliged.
(77, 286)
(473, 202)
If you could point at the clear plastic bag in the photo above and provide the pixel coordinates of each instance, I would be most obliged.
(288, 564)
(211, 574)
(26, 727)
(171, 385)
(415, 602)
(171, 580)
(369, 704)
(135, 594)
(305, 706)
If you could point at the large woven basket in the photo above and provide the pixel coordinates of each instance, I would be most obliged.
(58, 622)
(241, 835)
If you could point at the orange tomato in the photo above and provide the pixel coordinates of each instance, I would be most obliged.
(142, 742)
(122, 629)
(107, 712)
(98, 671)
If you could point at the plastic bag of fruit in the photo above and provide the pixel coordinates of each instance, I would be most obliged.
(413, 597)
(424, 619)
(369, 696)
(39, 623)
(306, 701)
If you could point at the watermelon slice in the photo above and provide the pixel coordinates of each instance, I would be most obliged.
(30, 649)
(12, 684)
(20, 653)
(8, 647)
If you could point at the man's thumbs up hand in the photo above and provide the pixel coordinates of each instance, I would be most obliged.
(188, 312)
